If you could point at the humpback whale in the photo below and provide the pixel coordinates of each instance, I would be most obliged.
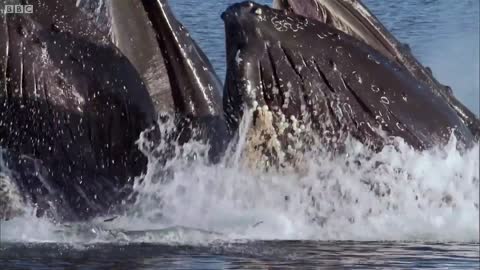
(301, 76)
(195, 87)
(178, 75)
(79, 91)
(355, 19)
(131, 31)
(75, 104)
(72, 106)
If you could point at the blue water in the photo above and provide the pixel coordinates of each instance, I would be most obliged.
(256, 255)
(443, 34)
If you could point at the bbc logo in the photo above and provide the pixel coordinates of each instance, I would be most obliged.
(18, 9)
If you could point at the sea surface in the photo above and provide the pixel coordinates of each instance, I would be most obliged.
(413, 211)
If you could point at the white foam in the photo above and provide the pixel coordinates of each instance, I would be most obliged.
(433, 195)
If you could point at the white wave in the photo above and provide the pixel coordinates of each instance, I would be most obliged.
(397, 194)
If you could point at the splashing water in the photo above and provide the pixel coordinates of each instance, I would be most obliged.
(397, 194)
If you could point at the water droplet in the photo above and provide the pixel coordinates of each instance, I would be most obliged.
(372, 58)
(322, 35)
(358, 77)
(399, 126)
(339, 49)
(384, 100)
(347, 108)
(332, 64)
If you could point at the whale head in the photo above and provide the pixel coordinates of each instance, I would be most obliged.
(302, 80)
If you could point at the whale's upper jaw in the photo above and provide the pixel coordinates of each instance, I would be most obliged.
(356, 20)
(348, 16)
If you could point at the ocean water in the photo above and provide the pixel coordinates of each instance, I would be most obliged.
(397, 210)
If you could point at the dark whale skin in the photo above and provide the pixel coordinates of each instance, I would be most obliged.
(71, 106)
(195, 87)
(328, 81)
(355, 19)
